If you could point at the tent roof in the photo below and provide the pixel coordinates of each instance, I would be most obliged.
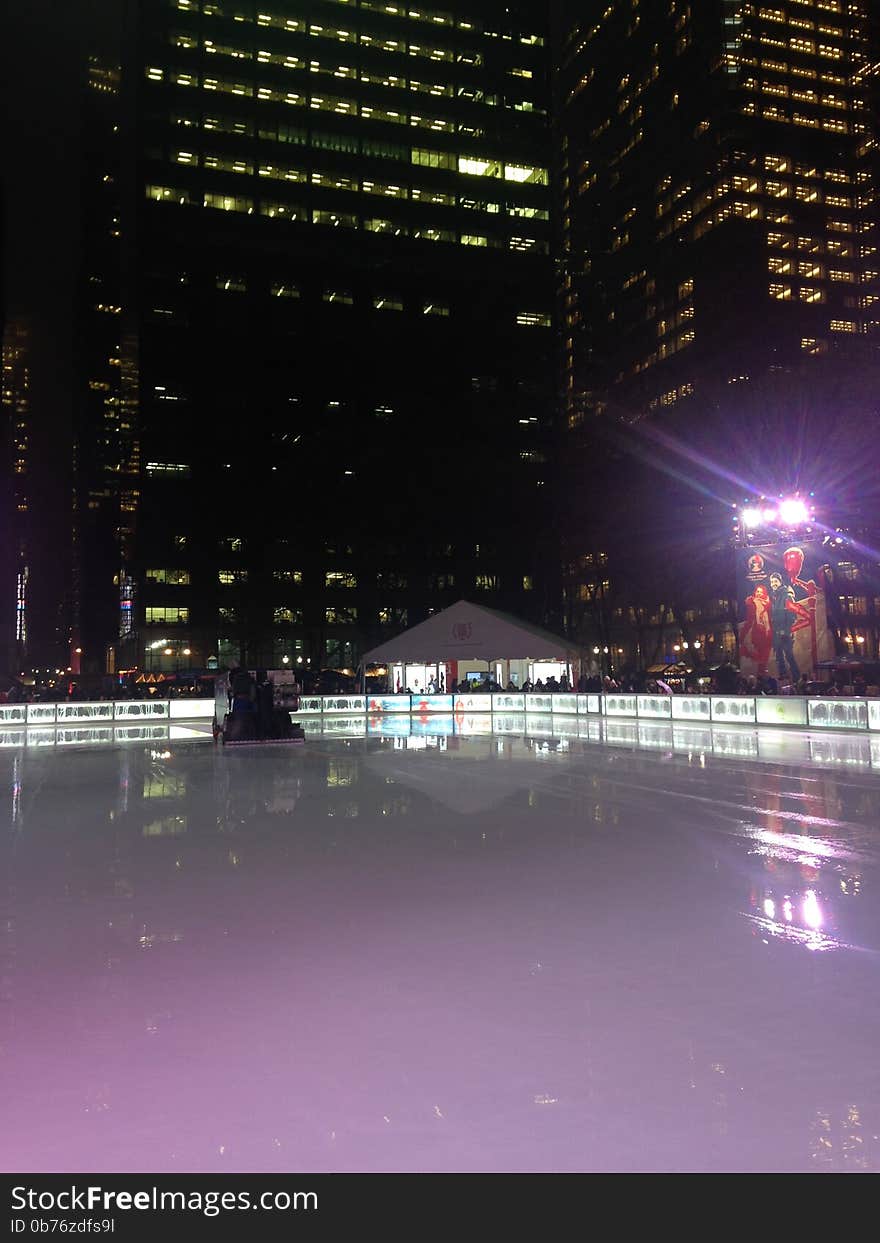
(467, 631)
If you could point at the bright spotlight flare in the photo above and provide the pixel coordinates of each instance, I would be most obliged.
(792, 512)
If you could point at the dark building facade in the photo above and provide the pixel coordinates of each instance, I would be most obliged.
(14, 491)
(329, 410)
(719, 290)
(105, 448)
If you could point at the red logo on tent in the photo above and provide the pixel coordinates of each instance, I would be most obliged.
(461, 630)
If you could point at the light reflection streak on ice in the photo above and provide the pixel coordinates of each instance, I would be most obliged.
(810, 938)
(796, 848)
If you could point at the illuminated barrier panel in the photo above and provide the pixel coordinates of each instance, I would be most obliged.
(13, 714)
(621, 705)
(691, 708)
(655, 706)
(735, 710)
(388, 703)
(41, 714)
(432, 703)
(473, 703)
(308, 704)
(565, 703)
(344, 703)
(874, 713)
(539, 703)
(508, 703)
(68, 713)
(191, 709)
(141, 710)
(775, 711)
(589, 703)
(838, 713)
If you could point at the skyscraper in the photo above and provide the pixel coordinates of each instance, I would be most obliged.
(719, 228)
(337, 300)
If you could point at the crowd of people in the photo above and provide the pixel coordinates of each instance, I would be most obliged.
(724, 679)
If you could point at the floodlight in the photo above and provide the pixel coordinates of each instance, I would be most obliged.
(793, 512)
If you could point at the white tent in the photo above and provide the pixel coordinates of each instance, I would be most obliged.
(468, 631)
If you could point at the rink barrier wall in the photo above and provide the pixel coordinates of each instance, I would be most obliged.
(849, 714)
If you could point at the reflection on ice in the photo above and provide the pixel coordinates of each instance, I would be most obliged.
(527, 943)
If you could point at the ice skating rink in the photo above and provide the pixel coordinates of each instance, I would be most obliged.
(434, 947)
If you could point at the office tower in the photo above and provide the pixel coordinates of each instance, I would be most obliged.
(338, 293)
(105, 446)
(14, 491)
(719, 234)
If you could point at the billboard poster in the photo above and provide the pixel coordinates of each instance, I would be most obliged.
(783, 625)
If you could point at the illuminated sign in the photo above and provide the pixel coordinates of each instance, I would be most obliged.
(736, 710)
(621, 705)
(432, 703)
(473, 703)
(84, 712)
(21, 606)
(838, 713)
(149, 709)
(771, 710)
(126, 605)
(691, 707)
(344, 703)
(41, 714)
(388, 703)
(783, 626)
(655, 705)
(508, 703)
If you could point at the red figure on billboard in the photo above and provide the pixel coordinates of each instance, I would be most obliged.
(793, 560)
(756, 633)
